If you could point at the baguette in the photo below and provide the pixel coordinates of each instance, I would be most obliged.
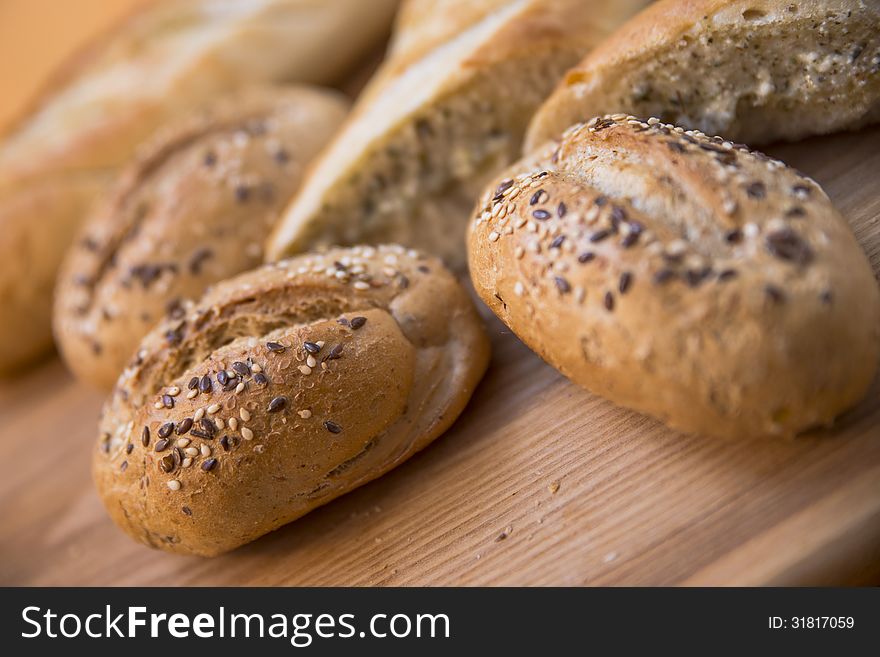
(682, 276)
(446, 111)
(755, 71)
(192, 210)
(284, 388)
(166, 59)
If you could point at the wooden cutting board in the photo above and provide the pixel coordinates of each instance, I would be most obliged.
(538, 482)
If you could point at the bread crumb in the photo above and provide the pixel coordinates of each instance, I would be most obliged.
(553, 487)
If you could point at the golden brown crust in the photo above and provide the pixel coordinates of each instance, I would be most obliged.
(682, 276)
(166, 59)
(447, 110)
(287, 387)
(193, 209)
(752, 70)
(30, 252)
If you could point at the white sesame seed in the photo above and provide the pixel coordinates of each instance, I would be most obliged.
(519, 289)
(324, 365)
(256, 369)
(361, 285)
(174, 484)
(247, 434)
(239, 388)
(219, 423)
(199, 414)
(158, 405)
(213, 408)
(305, 369)
(191, 451)
(233, 423)
(305, 414)
(245, 414)
(310, 361)
(519, 252)
(493, 236)
(320, 344)
(205, 450)
(187, 462)
(173, 391)
(192, 393)
(183, 442)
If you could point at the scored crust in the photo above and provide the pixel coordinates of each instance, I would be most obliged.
(285, 387)
(193, 209)
(683, 276)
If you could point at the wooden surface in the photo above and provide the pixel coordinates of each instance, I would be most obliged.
(539, 482)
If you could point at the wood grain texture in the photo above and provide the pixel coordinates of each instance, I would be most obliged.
(636, 503)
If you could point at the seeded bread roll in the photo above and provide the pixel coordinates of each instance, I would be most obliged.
(283, 389)
(754, 71)
(445, 112)
(194, 209)
(166, 59)
(681, 276)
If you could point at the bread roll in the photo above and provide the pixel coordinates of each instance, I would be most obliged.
(682, 276)
(283, 389)
(194, 209)
(446, 111)
(754, 71)
(169, 57)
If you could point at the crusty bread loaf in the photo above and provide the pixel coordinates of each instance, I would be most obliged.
(193, 209)
(754, 71)
(283, 389)
(682, 276)
(168, 57)
(446, 111)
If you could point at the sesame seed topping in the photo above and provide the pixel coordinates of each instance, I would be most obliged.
(562, 284)
(361, 285)
(305, 369)
(173, 391)
(199, 414)
(561, 209)
(191, 452)
(145, 436)
(277, 404)
(787, 245)
(222, 377)
(247, 434)
(260, 379)
(538, 197)
(208, 426)
(625, 282)
(193, 383)
(209, 464)
(493, 236)
(213, 408)
(173, 484)
(311, 347)
(239, 388)
(586, 257)
(244, 414)
(167, 401)
(305, 414)
(358, 322)
(541, 215)
(275, 347)
(609, 301)
(332, 427)
(241, 369)
(192, 394)
(557, 241)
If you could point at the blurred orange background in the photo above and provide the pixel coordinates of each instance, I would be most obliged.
(38, 35)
